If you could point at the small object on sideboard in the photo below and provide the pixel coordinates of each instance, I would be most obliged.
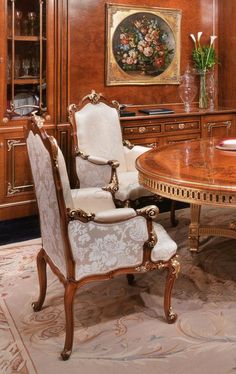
(124, 113)
(156, 111)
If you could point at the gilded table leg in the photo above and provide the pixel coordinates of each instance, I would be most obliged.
(195, 211)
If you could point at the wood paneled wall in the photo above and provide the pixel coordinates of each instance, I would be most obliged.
(87, 43)
(227, 57)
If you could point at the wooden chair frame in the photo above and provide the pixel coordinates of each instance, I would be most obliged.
(71, 285)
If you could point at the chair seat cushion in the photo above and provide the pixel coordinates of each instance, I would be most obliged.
(129, 187)
(165, 247)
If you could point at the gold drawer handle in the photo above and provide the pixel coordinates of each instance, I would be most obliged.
(181, 126)
(152, 145)
(210, 125)
(142, 129)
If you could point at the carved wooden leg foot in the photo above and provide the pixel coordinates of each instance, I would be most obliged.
(173, 267)
(70, 289)
(131, 279)
(42, 275)
(65, 355)
(171, 317)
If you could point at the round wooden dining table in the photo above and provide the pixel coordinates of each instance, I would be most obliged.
(196, 172)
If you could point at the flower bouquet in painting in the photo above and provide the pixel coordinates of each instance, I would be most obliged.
(143, 43)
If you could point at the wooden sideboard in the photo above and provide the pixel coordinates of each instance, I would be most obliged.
(158, 130)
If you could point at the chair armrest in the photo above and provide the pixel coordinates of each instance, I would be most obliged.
(132, 154)
(96, 160)
(95, 171)
(115, 215)
(150, 212)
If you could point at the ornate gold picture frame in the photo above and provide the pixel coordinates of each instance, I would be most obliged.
(143, 45)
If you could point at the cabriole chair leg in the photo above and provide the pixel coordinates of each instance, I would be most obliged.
(173, 268)
(42, 275)
(70, 289)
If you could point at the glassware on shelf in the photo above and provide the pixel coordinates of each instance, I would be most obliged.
(35, 67)
(18, 20)
(26, 67)
(25, 26)
(187, 89)
(17, 66)
(31, 23)
(9, 67)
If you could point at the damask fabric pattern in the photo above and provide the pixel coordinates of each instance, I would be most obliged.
(99, 132)
(99, 248)
(47, 200)
(92, 175)
(118, 328)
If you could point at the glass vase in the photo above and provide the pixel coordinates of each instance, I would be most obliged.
(203, 96)
(211, 90)
(187, 89)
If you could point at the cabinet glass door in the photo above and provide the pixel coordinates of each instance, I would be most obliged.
(26, 57)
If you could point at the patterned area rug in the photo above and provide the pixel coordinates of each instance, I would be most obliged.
(119, 328)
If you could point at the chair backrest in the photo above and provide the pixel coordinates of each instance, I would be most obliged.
(52, 193)
(97, 129)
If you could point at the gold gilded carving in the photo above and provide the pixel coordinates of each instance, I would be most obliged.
(12, 190)
(38, 120)
(150, 211)
(94, 97)
(11, 143)
(79, 214)
(176, 265)
(149, 266)
(11, 187)
(128, 144)
(188, 194)
(171, 315)
(5, 120)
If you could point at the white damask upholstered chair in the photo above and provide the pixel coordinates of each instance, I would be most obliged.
(84, 237)
(102, 158)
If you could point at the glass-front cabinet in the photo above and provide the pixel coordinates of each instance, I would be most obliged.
(26, 57)
(27, 74)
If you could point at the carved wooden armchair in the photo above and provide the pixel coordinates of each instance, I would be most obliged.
(102, 158)
(82, 245)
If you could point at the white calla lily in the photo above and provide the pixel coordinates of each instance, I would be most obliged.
(193, 37)
(199, 34)
(213, 37)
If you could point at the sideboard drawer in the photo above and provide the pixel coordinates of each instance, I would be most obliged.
(182, 126)
(181, 138)
(143, 129)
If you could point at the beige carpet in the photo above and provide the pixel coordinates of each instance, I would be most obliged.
(118, 328)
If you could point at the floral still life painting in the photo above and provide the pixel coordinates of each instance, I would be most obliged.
(142, 45)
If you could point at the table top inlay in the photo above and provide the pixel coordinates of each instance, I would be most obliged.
(196, 164)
